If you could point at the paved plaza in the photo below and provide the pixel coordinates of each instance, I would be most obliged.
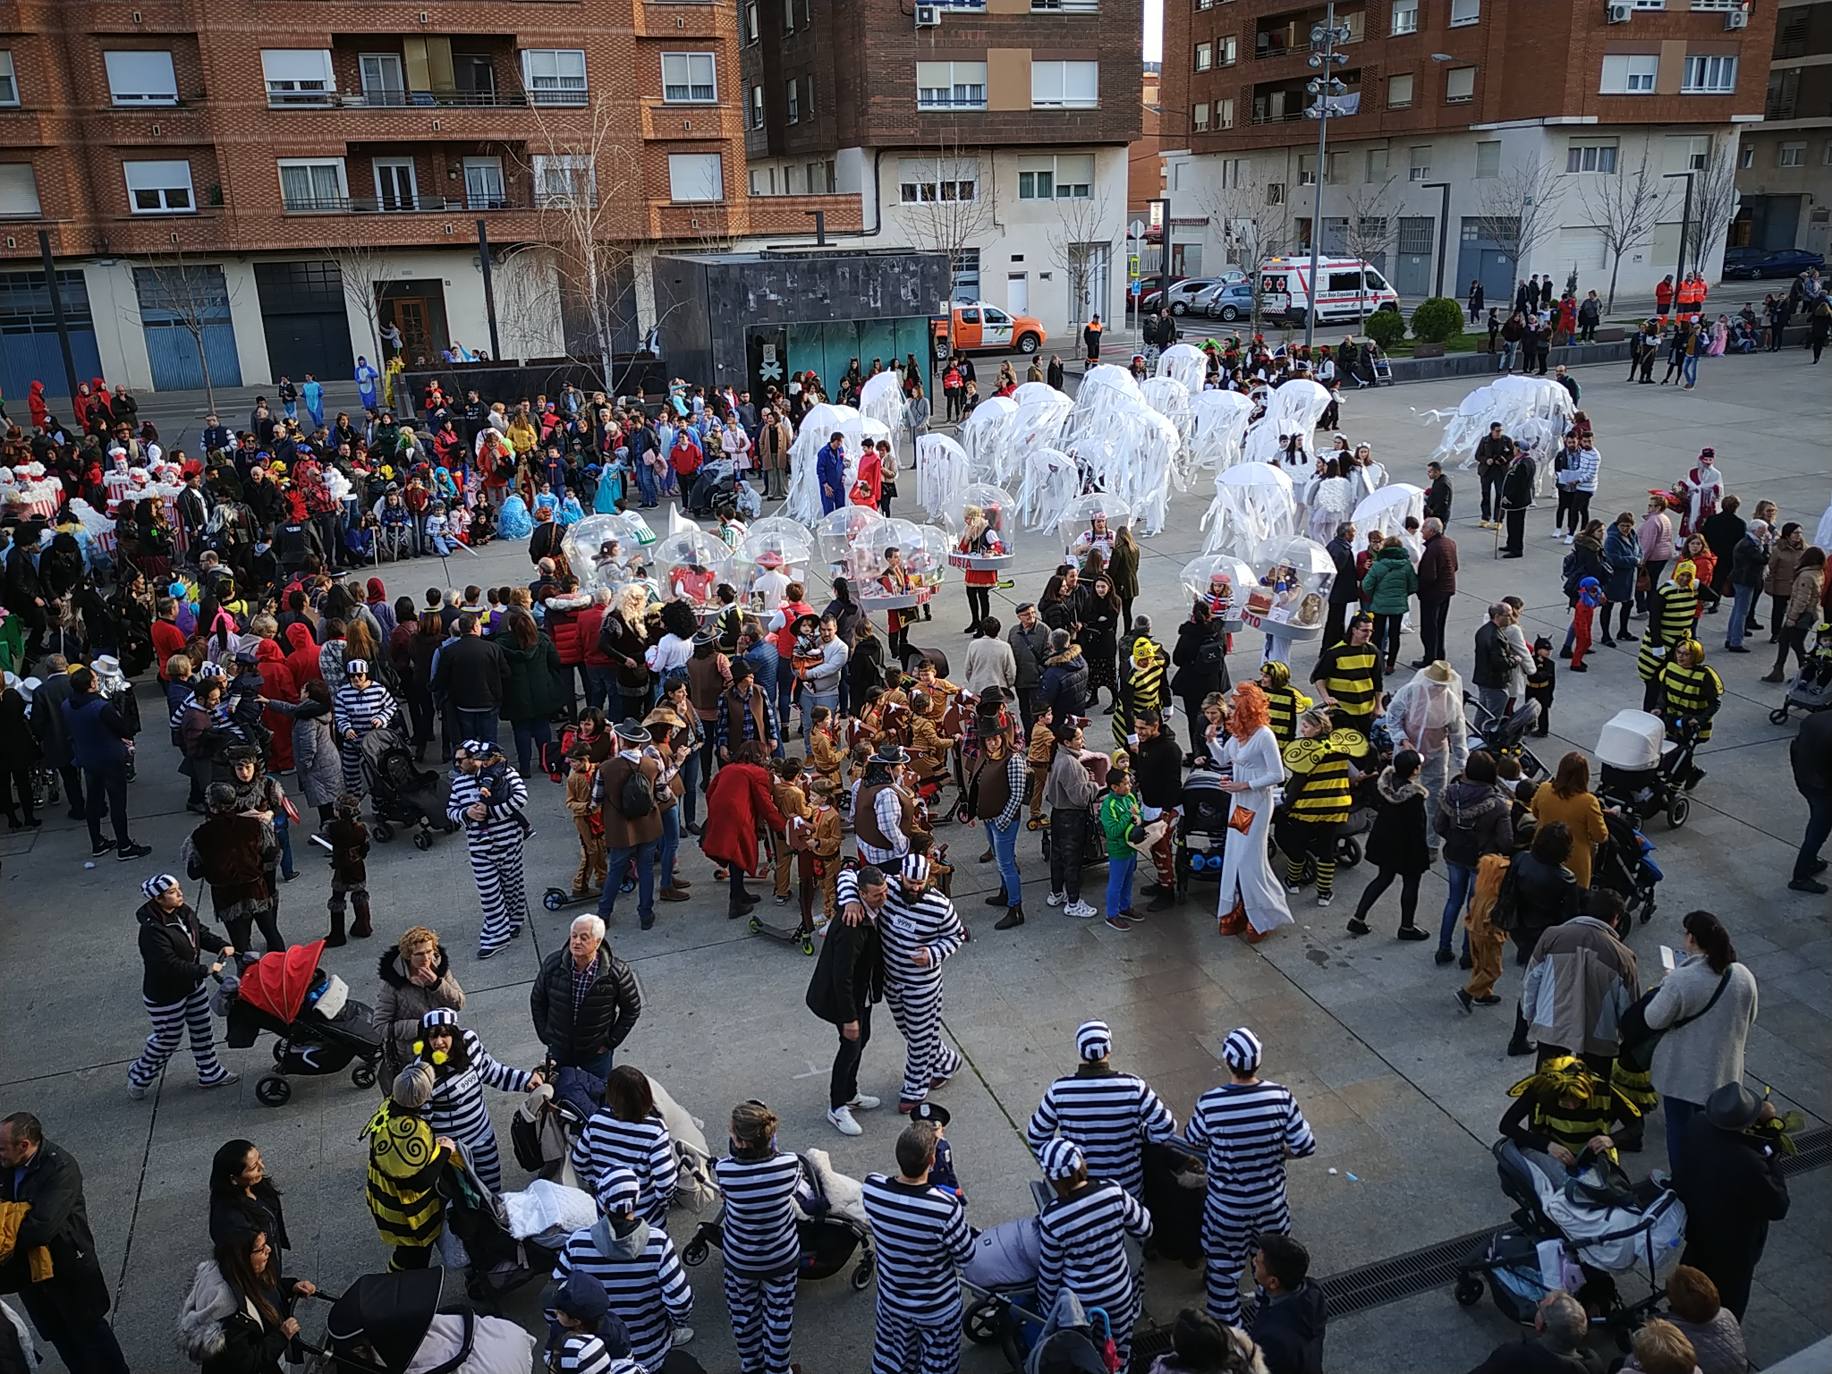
(1403, 1091)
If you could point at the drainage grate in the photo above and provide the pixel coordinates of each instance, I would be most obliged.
(1814, 1151)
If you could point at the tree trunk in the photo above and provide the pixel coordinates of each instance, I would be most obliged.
(1615, 268)
(203, 364)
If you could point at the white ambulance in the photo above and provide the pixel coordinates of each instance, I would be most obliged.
(1346, 288)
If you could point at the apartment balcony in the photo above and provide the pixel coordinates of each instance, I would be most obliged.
(1798, 93)
(1284, 102)
(402, 205)
(1287, 34)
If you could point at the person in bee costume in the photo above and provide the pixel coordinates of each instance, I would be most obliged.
(1672, 613)
(1566, 1109)
(1284, 703)
(405, 1160)
(1318, 797)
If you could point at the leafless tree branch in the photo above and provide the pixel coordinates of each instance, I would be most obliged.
(1625, 207)
(1519, 208)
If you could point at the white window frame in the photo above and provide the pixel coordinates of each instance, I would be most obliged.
(1199, 117)
(1799, 151)
(384, 91)
(9, 81)
(757, 107)
(1451, 78)
(1746, 156)
(1405, 17)
(1650, 4)
(964, 87)
(1224, 113)
(792, 101)
(1227, 50)
(314, 203)
(1061, 187)
(684, 77)
(24, 180)
(485, 199)
(376, 166)
(1627, 73)
(921, 181)
(309, 83)
(1415, 171)
(1055, 94)
(1465, 12)
(143, 89)
(1205, 56)
(159, 183)
(567, 165)
(1411, 80)
(1710, 74)
(558, 87)
(677, 169)
(1588, 156)
(1495, 171)
(753, 27)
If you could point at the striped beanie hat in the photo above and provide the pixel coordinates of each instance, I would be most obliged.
(1093, 1040)
(583, 1353)
(915, 868)
(158, 885)
(618, 1191)
(1061, 1159)
(356, 667)
(439, 1016)
(1242, 1050)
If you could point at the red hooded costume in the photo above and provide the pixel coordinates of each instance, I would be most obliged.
(301, 657)
(737, 804)
(277, 684)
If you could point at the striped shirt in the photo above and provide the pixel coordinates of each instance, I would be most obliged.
(1110, 1115)
(642, 1279)
(643, 1147)
(355, 708)
(1351, 674)
(1245, 1131)
(1320, 790)
(1672, 618)
(509, 797)
(456, 1107)
(1083, 1247)
(909, 922)
(923, 1239)
(758, 1223)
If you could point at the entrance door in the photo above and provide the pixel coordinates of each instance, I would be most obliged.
(417, 309)
(395, 185)
(1412, 274)
(306, 318)
(1092, 278)
(383, 83)
(1481, 259)
(1017, 293)
(483, 183)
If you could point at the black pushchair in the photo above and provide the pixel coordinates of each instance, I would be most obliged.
(319, 1027)
(1506, 736)
(402, 792)
(1176, 1189)
(385, 1323)
(1202, 828)
(1623, 866)
(1646, 768)
(828, 1241)
(477, 1217)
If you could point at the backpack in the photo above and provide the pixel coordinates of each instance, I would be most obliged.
(635, 799)
(1211, 653)
(1505, 914)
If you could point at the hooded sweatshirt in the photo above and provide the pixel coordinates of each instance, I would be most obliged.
(1288, 1328)
(1473, 820)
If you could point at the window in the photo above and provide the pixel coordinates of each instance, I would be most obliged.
(1464, 12)
(1231, 169)
(1405, 16)
(396, 186)
(1065, 85)
(1227, 52)
(1592, 155)
(1488, 158)
(950, 85)
(563, 177)
(689, 78)
(696, 176)
(1418, 167)
(1067, 176)
(383, 82)
(298, 76)
(483, 184)
(794, 101)
(756, 107)
(788, 16)
(141, 78)
(1630, 74)
(1791, 155)
(1375, 166)
(821, 178)
(159, 188)
(1205, 56)
(1716, 75)
(18, 191)
(9, 88)
(1650, 4)
(964, 275)
(1826, 156)
(1307, 169)
(1399, 92)
(1746, 158)
(808, 96)
(313, 183)
(1199, 116)
(554, 76)
(1459, 85)
(752, 27)
(1224, 117)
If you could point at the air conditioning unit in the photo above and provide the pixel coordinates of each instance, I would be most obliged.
(1618, 11)
(928, 16)
(1738, 18)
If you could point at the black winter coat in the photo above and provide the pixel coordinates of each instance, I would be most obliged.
(59, 1221)
(1191, 679)
(177, 950)
(603, 1021)
(1545, 897)
(1065, 684)
(1289, 1330)
(1732, 1189)
(849, 975)
(1397, 842)
(1474, 818)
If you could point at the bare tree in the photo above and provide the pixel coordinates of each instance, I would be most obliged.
(1714, 203)
(1078, 241)
(1254, 218)
(186, 295)
(1625, 208)
(1519, 208)
(364, 270)
(953, 206)
(1372, 229)
(528, 301)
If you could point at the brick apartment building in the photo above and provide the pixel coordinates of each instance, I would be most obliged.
(1453, 108)
(995, 131)
(237, 148)
(1785, 162)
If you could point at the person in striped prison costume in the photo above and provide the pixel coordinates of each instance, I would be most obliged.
(461, 1067)
(761, 1246)
(180, 953)
(487, 799)
(357, 707)
(922, 1239)
(1109, 1114)
(628, 1133)
(1083, 1242)
(636, 1267)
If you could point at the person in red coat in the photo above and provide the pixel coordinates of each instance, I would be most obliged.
(302, 655)
(597, 666)
(868, 486)
(277, 684)
(739, 804)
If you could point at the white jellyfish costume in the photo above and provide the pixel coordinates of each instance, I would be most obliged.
(1534, 411)
(942, 468)
(804, 499)
(1033, 392)
(1293, 591)
(1050, 484)
(1327, 503)
(1221, 581)
(1292, 410)
(1042, 418)
(983, 432)
(1174, 401)
(1253, 503)
(1387, 511)
(1218, 438)
(881, 400)
(1187, 364)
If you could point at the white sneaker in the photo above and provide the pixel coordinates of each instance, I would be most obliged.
(1293, 889)
(1081, 911)
(137, 1092)
(683, 1335)
(1326, 899)
(227, 1080)
(864, 1102)
(841, 1117)
(1054, 899)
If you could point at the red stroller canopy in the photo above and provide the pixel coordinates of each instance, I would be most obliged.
(277, 983)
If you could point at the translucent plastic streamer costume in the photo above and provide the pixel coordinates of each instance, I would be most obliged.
(1253, 504)
(1187, 364)
(1218, 438)
(804, 500)
(1534, 411)
(942, 467)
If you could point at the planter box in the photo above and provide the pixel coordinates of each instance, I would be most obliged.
(1428, 350)
(1613, 333)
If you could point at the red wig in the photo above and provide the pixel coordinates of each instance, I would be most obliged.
(1247, 711)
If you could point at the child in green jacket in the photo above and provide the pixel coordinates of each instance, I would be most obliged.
(1119, 817)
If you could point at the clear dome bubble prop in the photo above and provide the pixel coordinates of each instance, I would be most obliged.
(1090, 523)
(776, 550)
(1222, 582)
(982, 520)
(599, 549)
(1387, 511)
(1292, 595)
(850, 543)
(688, 567)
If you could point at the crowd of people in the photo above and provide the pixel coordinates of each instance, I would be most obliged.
(823, 752)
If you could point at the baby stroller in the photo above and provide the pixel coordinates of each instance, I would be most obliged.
(1506, 736)
(828, 1240)
(1810, 689)
(1068, 1340)
(715, 485)
(1623, 865)
(1643, 770)
(1576, 1231)
(319, 1027)
(402, 792)
(388, 1323)
(1001, 1276)
(509, 1240)
(1202, 828)
(1176, 1185)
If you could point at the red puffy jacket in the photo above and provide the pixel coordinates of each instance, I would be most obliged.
(277, 684)
(563, 629)
(587, 625)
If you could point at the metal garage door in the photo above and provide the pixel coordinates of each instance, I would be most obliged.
(29, 349)
(302, 310)
(174, 301)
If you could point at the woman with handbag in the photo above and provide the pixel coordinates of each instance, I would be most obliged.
(1251, 900)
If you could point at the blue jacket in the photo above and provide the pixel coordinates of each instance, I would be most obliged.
(97, 733)
(1623, 554)
(830, 471)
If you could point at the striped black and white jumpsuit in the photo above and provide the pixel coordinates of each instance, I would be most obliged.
(358, 708)
(1110, 1115)
(925, 921)
(1245, 1132)
(457, 1109)
(643, 1147)
(922, 1238)
(642, 1279)
(495, 846)
(171, 1020)
(762, 1254)
(1083, 1250)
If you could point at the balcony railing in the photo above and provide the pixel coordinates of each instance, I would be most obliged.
(375, 205)
(424, 100)
(1280, 117)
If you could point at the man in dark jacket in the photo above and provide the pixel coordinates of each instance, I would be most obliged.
(1748, 568)
(1201, 662)
(1516, 501)
(235, 852)
(1732, 1186)
(1289, 1320)
(1493, 661)
(1064, 689)
(1157, 766)
(52, 727)
(1030, 641)
(69, 1308)
(1555, 1347)
(1493, 454)
(1437, 492)
(545, 541)
(1437, 589)
(471, 678)
(585, 1001)
(99, 740)
(1811, 757)
(848, 979)
(21, 591)
(1346, 589)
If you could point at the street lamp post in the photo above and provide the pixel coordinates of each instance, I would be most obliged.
(1685, 221)
(1443, 230)
(1324, 59)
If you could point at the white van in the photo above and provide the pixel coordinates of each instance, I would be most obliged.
(1348, 288)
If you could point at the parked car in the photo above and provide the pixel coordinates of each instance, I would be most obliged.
(1183, 293)
(1228, 301)
(975, 327)
(1780, 262)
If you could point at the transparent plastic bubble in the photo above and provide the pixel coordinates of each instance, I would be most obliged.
(981, 520)
(689, 566)
(1223, 582)
(1090, 522)
(850, 543)
(773, 548)
(1295, 575)
(600, 549)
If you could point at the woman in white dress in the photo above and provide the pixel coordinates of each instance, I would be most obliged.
(1331, 501)
(1364, 474)
(1252, 901)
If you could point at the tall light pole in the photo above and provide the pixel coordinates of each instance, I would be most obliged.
(1685, 223)
(1324, 59)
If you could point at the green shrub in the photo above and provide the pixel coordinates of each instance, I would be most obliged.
(1437, 319)
(1385, 327)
